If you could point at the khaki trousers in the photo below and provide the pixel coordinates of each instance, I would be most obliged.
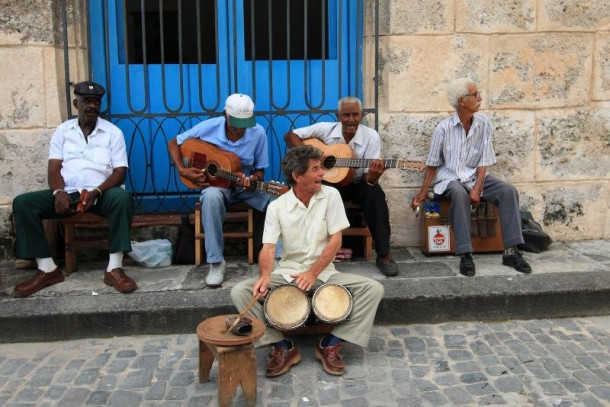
(366, 293)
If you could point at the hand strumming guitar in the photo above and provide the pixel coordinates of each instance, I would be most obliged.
(196, 175)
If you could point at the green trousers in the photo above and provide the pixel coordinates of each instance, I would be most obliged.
(31, 208)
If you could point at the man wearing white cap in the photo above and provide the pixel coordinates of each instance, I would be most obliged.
(237, 132)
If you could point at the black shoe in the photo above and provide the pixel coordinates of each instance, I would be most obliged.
(389, 269)
(467, 265)
(516, 261)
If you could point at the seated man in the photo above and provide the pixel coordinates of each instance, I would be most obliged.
(309, 220)
(235, 131)
(364, 188)
(86, 153)
(461, 149)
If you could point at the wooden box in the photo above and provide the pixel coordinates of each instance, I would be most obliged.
(437, 235)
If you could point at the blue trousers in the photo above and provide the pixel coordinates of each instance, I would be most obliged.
(214, 204)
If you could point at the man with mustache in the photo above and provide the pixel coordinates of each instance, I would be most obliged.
(364, 188)
(309, 220)
(460, 152)
(86, 153)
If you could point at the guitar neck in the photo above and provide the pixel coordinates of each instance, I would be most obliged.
(233, 177)
(366, 162)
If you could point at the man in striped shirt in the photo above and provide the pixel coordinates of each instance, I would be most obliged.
(460, 152)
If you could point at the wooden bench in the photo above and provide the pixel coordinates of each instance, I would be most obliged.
(75, 243)
(355, 211)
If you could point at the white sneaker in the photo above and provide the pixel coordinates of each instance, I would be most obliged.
(216, 274)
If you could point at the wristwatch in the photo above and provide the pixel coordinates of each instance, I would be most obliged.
(57, 191)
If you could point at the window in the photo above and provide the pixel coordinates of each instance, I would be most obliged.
(162, 31)
(290, 23)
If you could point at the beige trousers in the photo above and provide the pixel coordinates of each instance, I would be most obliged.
(366, 293)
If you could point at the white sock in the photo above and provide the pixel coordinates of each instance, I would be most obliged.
(46, 264)
(115, 261)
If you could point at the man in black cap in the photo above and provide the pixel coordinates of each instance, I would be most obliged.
(86, 153)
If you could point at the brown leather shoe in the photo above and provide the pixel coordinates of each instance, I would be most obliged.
(281, 360)
(38, 282)
(119, 280)
(330, 358)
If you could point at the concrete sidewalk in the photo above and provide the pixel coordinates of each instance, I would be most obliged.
(570, 279)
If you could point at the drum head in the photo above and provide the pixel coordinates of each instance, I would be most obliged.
(287, 307)
(332, 303)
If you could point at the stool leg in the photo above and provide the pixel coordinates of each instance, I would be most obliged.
(248, 383)
(206, 358)
(236, 365)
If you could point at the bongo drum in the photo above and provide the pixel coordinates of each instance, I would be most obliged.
(332, 303)
(286, 307)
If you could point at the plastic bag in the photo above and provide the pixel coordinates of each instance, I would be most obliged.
(152, 253)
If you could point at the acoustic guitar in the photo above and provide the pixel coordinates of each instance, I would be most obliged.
(340, 162)
(220, 167)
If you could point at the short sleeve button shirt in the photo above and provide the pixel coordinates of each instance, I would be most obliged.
(304, 230)
(458, 154)
(366, 143)
(86, 163)
(251, 148)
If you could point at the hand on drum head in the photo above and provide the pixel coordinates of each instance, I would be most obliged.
(305, 280)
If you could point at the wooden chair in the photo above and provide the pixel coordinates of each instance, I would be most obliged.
(355, 210)
(236, 212)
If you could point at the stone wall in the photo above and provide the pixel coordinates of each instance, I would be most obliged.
(543, 67)
(544, 70)
(32, 95)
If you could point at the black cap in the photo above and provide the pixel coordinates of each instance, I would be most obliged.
(90, 89)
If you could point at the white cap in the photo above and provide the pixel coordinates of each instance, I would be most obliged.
(240, 109)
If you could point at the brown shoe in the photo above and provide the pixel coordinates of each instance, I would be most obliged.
(330, 358)
(281, 360)
(119, 280)
(38, 282)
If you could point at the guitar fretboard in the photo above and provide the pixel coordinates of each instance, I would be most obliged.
(387, 162)
(233, 177)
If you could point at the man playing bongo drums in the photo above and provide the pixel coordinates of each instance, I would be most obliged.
(309, 220)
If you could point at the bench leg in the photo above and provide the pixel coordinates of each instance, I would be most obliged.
(70, 253)
(251, 236)
(198, 242)
(368, 247)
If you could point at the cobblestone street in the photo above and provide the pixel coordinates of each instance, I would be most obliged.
(562, 362)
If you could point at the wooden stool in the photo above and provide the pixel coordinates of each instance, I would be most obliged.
(236, 212)
(235, 355)
(352, 209)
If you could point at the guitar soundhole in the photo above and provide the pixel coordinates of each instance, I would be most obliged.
(329, 162)
(212, 170)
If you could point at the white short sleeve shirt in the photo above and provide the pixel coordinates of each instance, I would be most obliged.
(366, 143)
(304, 230)
(87, 163)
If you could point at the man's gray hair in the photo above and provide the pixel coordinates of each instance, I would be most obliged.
(457, 89)
(349, 99)
(297, 160)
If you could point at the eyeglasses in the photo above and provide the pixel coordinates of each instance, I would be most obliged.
(476, 95)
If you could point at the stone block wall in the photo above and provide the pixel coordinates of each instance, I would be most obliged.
(543, 67)
(32, 95)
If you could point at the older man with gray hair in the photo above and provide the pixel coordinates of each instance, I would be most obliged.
(460, 152)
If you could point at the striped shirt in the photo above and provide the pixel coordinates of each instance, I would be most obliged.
(458, 155)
